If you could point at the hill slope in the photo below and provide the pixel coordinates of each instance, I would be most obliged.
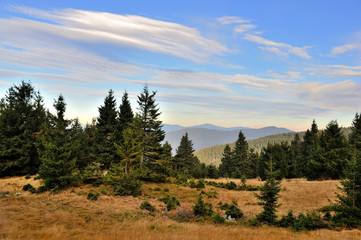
(213, 155)
(205, 137)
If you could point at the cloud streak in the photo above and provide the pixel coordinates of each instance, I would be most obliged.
(124, 30)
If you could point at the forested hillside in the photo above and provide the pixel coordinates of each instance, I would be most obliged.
(213, 155)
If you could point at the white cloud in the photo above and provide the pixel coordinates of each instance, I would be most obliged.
(286, 75)
(231, 20)
(244, 28)
(342, 49)
(337, 70)
(278, 48)
(124, 30)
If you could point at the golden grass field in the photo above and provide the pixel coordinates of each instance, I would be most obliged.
(69, 215)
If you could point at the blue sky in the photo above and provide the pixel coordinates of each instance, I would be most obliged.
(229, 63)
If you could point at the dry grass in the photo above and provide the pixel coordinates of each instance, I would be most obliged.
(69, 215)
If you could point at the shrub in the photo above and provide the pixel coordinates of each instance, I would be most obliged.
(287, 220)
(147, 206)
(128, 186)
(157, 189)
(92, 196)
(218, 219)
(27, 176)
(234, 211)
(310, 221)
(29, 187)
(201, 208)
(172, 202)
(166, 189)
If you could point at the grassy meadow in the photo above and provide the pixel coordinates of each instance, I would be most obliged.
(70, 215)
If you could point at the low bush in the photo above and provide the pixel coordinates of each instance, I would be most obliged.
(201, 208)
(147, 206)
(92, 196)
(218, 219)
(29, 187)
(128, 185)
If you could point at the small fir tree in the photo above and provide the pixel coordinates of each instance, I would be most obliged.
(268, 196)
(225, 168)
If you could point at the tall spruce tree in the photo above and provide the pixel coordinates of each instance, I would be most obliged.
(349, 201)
(226, 168)
(334, 151)
(125, 116)
(311, 152)
(184, 160)
(296, 155)
(57, 156)
(22, 116)
(240, 159)
(152, 133)
(269, 195)
(106, 126)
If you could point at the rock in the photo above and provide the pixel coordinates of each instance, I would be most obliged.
(17, 194)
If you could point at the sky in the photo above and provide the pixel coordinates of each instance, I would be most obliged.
(228, 63)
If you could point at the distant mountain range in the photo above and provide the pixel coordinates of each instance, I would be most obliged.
(207, 135)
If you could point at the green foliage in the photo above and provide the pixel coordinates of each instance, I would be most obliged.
(104, 148)
(57, 155)
(27, 176)
(199, 184)
(201, 208)
(184, 160)
(152, 133)
(92, 196)
(22, 115)
(171, 202)
(218, 219)
(348, 209)
(147, 206)
(268, 196)
(29, 187)
(310, 221)
(287, 220)
(128, 185)
(233, 211)
(125, 117)
(232, 186)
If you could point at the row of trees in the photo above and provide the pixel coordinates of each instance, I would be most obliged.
(32, 140)
(319, 155)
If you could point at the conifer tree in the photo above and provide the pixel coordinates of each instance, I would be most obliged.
(125, 116)
(184, 160)
(349, 202)
(269, 195)
(129, 147)
(225, 168)
(312, 153)
(334, 151)
(296, 155)
(240, 159)
(57, 155)
(22, 116)
(152, 133)
(105, 134)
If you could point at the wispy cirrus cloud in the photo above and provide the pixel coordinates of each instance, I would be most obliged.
(337, 71)
(282, 49)
(124, 30)
(231, 20)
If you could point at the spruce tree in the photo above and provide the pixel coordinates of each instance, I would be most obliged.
(152, 133)
(240, 159)
(184, 160)
(296, 155)
(125, 116)
(57, 155)
(269, 195)
(334, 151)
(22, 116)
(129, 148)
(349, 201)
(105, 134)
(312, 153)
(225, 168)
